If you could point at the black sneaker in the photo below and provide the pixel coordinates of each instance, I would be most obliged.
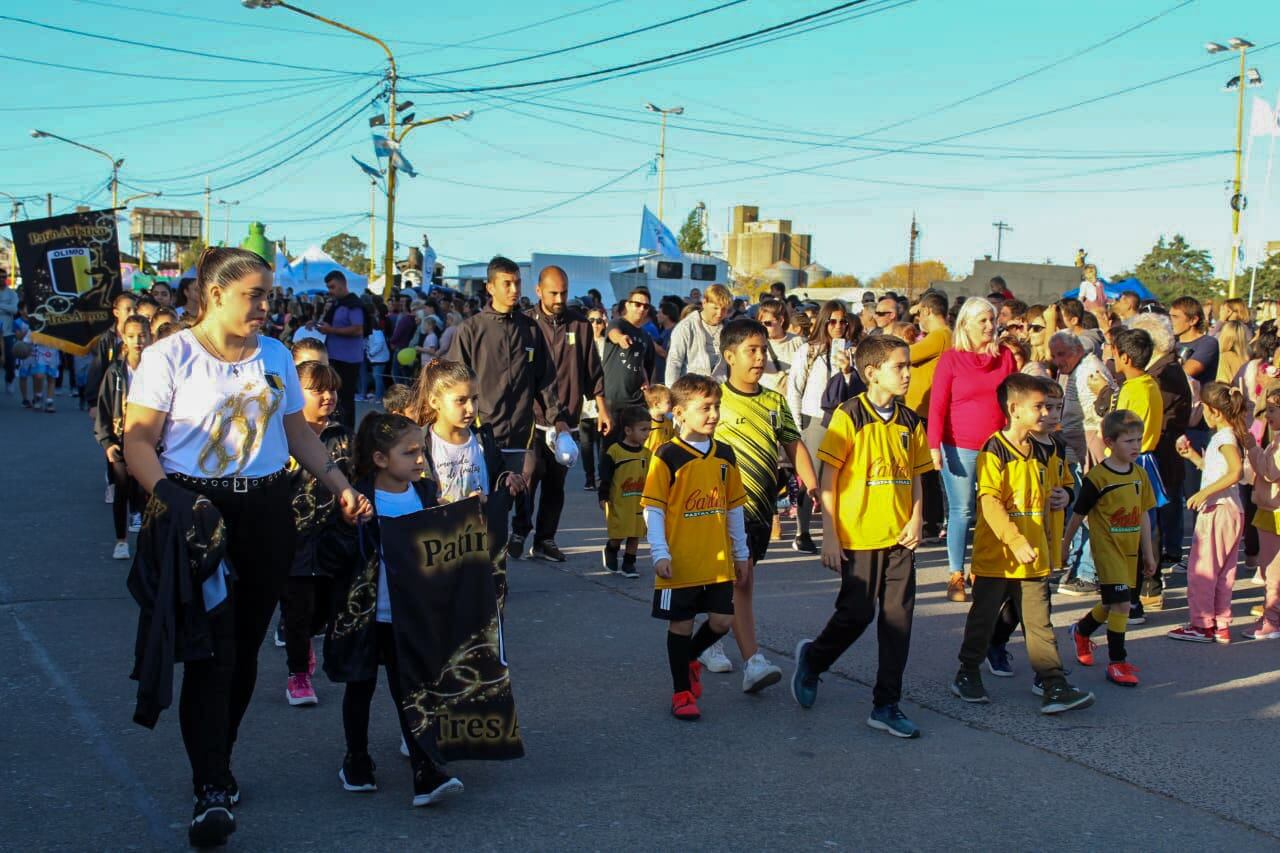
(1136, 615)
(804, 544)
(280, 644)
(629, 567)
(1078, 587)
(547, 550)
(233, 792)
(212, 821)
(1061, 696)
(357, 773)
(968, 686)
(590, 486)
(611, 559)
(515, 547)
(430, 785)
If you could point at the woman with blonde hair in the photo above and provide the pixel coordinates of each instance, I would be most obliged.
(1038, 334)
(1233, 348)
(963, 414)
(1234, 310)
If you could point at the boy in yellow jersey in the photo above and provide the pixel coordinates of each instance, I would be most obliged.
(874, 452)
(1141, 395)
(692, 502)
(657, 399)
(754, 422)
(1116, 497)
(623, 468)
(999, 662)
(1011, 550)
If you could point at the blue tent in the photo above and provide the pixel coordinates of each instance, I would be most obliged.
(1113, 289)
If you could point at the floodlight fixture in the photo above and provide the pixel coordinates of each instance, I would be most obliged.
(1239, 43)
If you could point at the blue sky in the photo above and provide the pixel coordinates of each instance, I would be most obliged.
(811, 128)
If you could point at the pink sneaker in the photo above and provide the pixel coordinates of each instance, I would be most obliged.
(311, 658)
(299, 691)
(1191, 634)
(1262, 631)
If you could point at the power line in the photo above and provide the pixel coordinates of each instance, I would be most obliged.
(512, 31)
(166, 77)
(168, 49)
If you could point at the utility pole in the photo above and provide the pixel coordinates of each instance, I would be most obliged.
(662, 148)
(208, 198)
(48, 203)
(373, 188)
(911, 257)
(1000, 227)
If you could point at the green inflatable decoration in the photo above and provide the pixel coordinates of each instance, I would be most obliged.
(258, 243)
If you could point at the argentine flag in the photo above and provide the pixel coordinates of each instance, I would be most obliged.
(654, 235)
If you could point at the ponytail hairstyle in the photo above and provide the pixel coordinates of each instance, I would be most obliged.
(218, 267)
(378, 433)
(436, 377)
(1228, 402)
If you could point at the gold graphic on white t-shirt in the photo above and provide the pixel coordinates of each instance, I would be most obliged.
(238, 427)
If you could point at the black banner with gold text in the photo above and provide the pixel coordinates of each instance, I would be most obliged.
(70, 274)
(454, 679)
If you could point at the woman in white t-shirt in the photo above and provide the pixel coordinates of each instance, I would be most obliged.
(224, 405)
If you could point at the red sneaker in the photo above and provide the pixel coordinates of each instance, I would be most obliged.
(1222, 635)
(683, 707)
(1125, 674)
(1084, 647)
(1191, 634)
(695, 679)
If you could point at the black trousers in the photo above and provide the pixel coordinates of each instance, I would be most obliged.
(592, 445)
(304, 615)
(128, 494)
(349, 373)
(872, 583)
(1030, 599)
(550, 476)
(931, 500)
(216, 693)
(358, 698)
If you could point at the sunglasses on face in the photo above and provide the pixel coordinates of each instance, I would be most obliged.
(836, 321)
(597, 321)
(638, 304)
(886, 313)
(1036, 327)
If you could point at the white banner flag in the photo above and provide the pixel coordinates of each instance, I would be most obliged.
(1265, 119)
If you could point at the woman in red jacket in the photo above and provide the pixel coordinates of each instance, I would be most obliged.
(963, 414)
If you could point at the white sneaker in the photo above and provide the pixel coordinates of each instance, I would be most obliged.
(759, 674)
(121, 551)
(111, 493)
(714, 660)
(135, 522)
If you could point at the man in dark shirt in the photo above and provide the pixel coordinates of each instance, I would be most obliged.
(343, 330)
(568, 338)
(628, 357)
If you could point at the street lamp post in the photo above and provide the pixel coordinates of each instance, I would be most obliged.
(662, 147)
(1249, 78)
(115, 163)
(226, 239)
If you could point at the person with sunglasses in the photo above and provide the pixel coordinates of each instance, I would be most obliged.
(885, 315)
(629, 357)
(589, 434)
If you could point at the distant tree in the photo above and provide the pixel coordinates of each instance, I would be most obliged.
(1174, 268)
(348, 250)
(895, 278)
(837, 281)
(187, 257)
(691, 238)
(1267, 285)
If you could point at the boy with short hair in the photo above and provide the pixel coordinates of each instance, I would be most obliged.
(309, 349)
(874, 452)
(396, 399)
(1011, 549)
(1116, 496)
(754, 422)
(623, 468)
(657, 399)
(692, 503)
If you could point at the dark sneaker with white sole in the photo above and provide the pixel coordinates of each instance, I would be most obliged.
(968, 686)
(889, 718)
(804, 681)
(1061, 696)
(432, 785)
(1077, 587)
(357, 773)
(610, 559)
(212, 821)
(999, 662)
(515, 547)
(547, 550)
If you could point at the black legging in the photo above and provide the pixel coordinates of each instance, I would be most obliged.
(303, 615)
(216, 693)
(591, 442)
(127, 494)
(358, 697)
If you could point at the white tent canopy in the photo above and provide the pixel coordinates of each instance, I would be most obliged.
(310, 268)
(283, 274)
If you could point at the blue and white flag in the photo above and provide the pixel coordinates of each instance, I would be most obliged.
(381, 146)
(654, 235)
(366, 168)
(387, 148)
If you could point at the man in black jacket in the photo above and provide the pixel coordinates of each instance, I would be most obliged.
(568, 338)
(513, 369)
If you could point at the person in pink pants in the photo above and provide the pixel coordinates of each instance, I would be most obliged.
(1266, 495)
(1211, 568)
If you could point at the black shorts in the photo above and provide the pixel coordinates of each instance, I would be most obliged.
(758, 537)
(1115, 593)
(680, 605)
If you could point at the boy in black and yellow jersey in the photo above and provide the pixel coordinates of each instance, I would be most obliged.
(1116, 496)
(873, 454)
(754, 422)
(1016, 487)
(623, 468)
(693, 512)
(657, 398)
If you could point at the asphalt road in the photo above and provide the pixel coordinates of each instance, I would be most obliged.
(1180, 762)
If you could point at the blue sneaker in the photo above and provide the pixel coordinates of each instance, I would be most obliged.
(999, 662)
(889, 718)
(804, 682)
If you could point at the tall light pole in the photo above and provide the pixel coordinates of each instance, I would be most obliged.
(1246, 78)
(226, 240)
(115, 163)
(1000, 227)
(662, 147)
